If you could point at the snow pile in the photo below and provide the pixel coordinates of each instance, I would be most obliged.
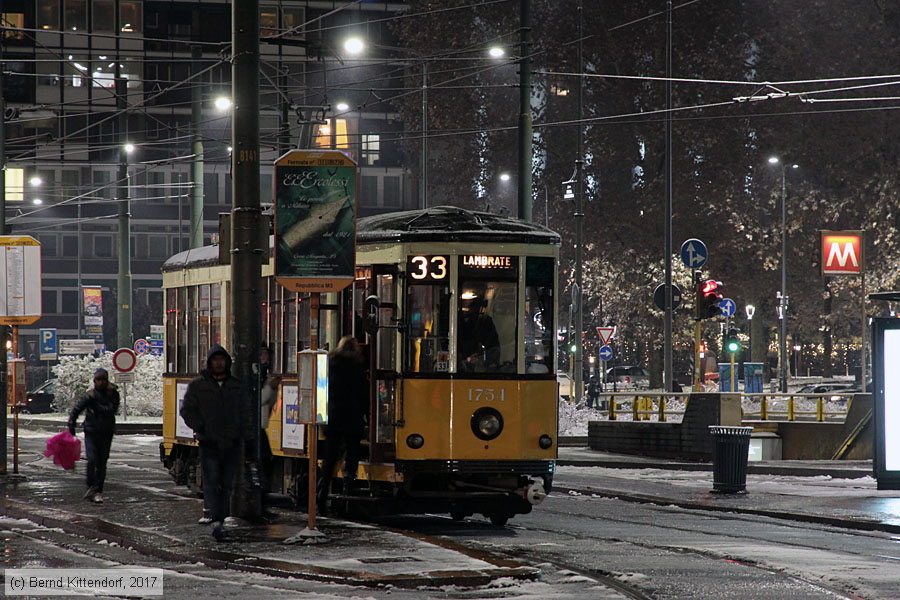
(76, 376)
(573, 420)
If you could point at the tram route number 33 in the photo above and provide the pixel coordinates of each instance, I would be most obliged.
(427, 267)
(486, 394)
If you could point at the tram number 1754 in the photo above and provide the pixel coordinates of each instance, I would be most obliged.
(486, 394)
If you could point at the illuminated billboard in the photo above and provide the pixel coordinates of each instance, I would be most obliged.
(886, 353)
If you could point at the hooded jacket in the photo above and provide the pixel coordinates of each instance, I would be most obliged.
(216, 411)
(100, 410)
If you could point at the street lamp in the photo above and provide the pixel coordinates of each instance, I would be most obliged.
(504, 177)
(496, 52)
(342, 106)
(35, 181)
(129, 148)
(782, 296)
(222, 103)
(750, 310)
(354, 45)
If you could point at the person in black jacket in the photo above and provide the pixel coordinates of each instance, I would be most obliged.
(100, 406)
(348, 405)
(221, 419)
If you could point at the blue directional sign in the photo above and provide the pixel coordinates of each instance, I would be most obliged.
(157, 347)
(728, 307)
(694, 253)
(605, 353)
(49, 346)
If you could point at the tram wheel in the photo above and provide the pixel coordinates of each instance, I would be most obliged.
(498, 519)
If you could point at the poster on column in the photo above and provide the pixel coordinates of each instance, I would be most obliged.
(293, 429)
(93, 311)
(316, 195)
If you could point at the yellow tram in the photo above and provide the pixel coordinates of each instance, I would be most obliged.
(463, 391)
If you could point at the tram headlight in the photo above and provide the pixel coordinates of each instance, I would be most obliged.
(487, 423)
(415, 441)
(545, 441)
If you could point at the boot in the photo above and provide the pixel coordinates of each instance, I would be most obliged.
(348, 484)
(322, 496)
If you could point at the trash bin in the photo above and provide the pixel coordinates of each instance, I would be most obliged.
(730, 451)
(753, 378)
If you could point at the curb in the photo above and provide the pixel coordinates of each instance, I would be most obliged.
(171, 549)
(774, 514)
(836, 473)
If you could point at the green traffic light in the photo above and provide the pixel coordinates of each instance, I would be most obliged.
(733, 346)
(573, 348)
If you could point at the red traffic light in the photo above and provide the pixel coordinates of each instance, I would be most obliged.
(710, 287)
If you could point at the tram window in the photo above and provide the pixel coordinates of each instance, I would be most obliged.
(181, 332)
(539, 325)
(215, 314)
(171, 328)
(428, 315)
(193, 360)
(387, 332)
(203, 322)
(486, 321)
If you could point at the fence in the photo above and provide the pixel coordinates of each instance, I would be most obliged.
(663, 407)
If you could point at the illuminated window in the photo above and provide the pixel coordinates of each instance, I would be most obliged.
(370, 147)
(323, 137)
(293, 18)
(15, 184)
(268, 21)
(13, 22)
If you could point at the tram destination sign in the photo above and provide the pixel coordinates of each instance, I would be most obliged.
(316, 194)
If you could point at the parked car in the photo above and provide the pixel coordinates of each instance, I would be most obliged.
(41, 399)
(629, 376)
(825, 386)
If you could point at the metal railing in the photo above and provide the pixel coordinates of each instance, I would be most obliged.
(663, 407)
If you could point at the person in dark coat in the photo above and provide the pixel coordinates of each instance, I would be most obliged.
(100, 406)
(479, 343)
(348, 405)
(222, 421)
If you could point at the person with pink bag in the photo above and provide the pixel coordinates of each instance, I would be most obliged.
(100, 406)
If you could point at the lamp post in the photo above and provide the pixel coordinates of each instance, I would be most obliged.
(750, 310)
(782, 296)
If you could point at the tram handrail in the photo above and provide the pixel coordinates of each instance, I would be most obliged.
(651, 405)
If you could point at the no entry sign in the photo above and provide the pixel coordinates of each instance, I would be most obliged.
(124, 360)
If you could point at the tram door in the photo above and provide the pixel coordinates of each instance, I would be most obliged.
(383, 359)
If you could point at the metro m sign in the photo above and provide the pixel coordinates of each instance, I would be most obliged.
(842, 252)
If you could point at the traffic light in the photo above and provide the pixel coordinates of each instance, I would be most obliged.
(732, 344)
(708, 295)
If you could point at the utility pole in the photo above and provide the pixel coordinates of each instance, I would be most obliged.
(197, 163)
(246, 254)
(667, 348)
(525, 127)
(424, 169)
(577, 289)
(3, 381)
(123, 281)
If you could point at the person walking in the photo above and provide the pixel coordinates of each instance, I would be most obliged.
(348, 405)
(100, 406)
(222, 421)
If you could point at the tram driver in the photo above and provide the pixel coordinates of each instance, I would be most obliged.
(479, 343)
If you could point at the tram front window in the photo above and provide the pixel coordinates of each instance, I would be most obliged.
(428, 347)
(486, 330)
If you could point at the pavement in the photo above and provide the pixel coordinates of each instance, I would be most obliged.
(145, 511)
(56, 422)
(835, 493)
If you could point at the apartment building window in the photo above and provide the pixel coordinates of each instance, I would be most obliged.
(268, 21)
(70, 304)
(371, 148)
(70, 181)
(76, 15)
(48, 302)
(70, 246)
(392, 191)
(48, 14)
(49, 244)
(368, 193)
(293, 17)
(14, 24)
(130, 17)
(101, 182)
(159, 247)
(211, 188)
(103, 246)
(104, 16)
(323, 137)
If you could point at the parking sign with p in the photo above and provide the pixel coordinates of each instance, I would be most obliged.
(49, 346)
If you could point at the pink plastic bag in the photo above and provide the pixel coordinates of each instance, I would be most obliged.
(65, 449)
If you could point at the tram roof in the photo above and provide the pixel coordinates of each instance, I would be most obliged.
(439, 223)
(451, 224)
